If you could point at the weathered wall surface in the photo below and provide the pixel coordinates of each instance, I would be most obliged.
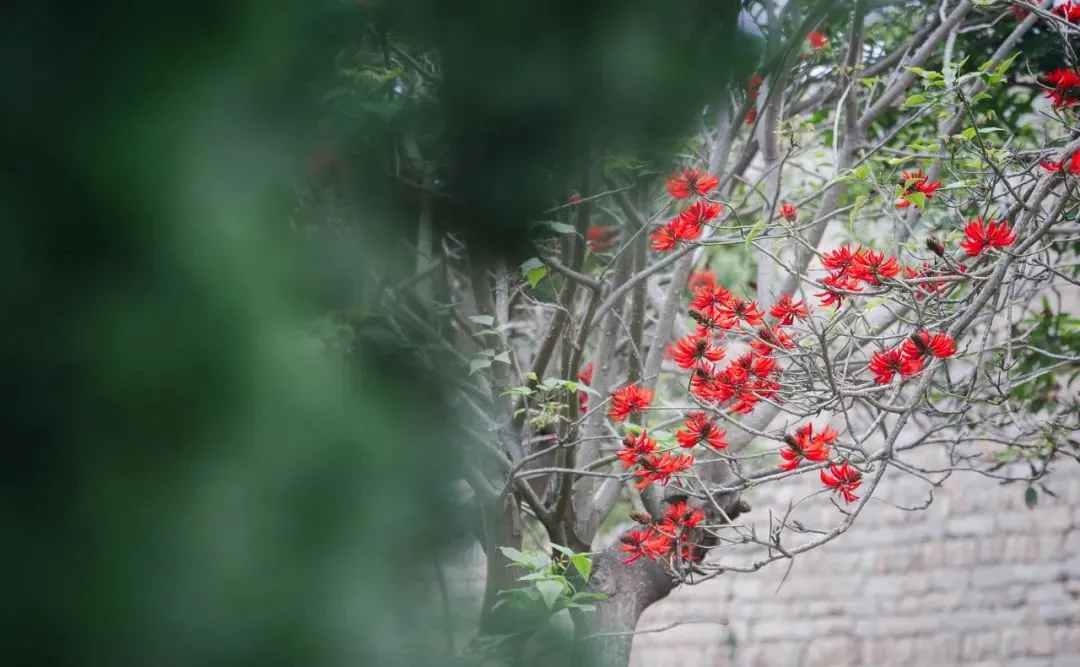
(977, 578)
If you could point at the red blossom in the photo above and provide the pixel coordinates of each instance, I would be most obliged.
(691, 350)
(751, 116)
(664, 238)
(871, 266)
(924, 344)
(644, 543)
(805, 445)
(700, 430)
(885, 365)
(927, 287)
(817, 40)
(1070, 165)
(707, 300)
(1063, 81)
(1070, 11)
(979, 236)
(629, 400)
(1019, 13)
(833, 283)
(599, 237)
(915, 181)
(704, 279)
(694, 219)
(660, 467)
(843, 480)
(703, 382)
(735, 310)
(753, 86)
(575, 198)
(636, 447)
(839, 259)
(679, 516)
(788, 212)
(787, 311)
(769, 339)
(682, 185)
(585, 378)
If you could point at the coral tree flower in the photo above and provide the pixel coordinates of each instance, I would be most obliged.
(599, 237)
(1070, 11)
(817, 40)
(924, 344)
(584, 377)
(871, 266)
(788, 212)
(702, 279)
(635, 447)
(660, 467)
(700, 430)
(647, 543)
(1069, 165)
(805, 445)
(915, 181)
(979, 236)
(1064, 85)
(693, 349)
(885, 365)
(629, 400)
(688, 182)
(787, 311)
(843, 480)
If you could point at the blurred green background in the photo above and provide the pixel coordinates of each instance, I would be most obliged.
(202, 467)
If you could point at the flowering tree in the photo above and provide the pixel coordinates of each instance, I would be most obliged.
(906, 242)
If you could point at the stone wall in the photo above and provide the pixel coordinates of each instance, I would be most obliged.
(976, 578)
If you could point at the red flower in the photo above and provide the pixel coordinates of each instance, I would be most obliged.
(1063, 82)
(769, 339)
(1018, 12)
(648, 543)
(788, 212)
(691, 350)
(683, 184)
(806, 445)
(833, 283)
(708, 300)
(629, 400)
(924, 344)
(679, 516)
(839, 259)
(698, 430)
(928, 287)
(842, 479)
(915, 181)
(1070, 11)
(753, 86)
(660, 467)
(599, 237)
(751, 116)
(885, 365)
(635, 448)
(703, 381)
(734, 309)
(817, 40)
(665, 237)
(979, 236)
(1070, 165)
(575, 198)
(585, 378)
(704, 279)
(787, 311)
(871, 266)
(694, 219)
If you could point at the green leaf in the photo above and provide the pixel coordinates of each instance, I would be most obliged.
(486, 320)
(862, 172)
(535, 275)
(583, 564)
(561, 549)
(1007, 63)
(754, 231)
(917, 199)
(517, 391)
(513, 555)
(914, 100)
(503, 357)
(968, 134)
(478, 365)
(561, 227)
(550, 591)
(1031, 497)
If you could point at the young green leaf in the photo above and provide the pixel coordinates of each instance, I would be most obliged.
(550, 591)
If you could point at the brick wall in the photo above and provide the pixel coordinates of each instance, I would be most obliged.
(975, 579)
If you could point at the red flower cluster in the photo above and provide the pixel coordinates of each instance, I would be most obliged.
(787, 311)
(817, 40)
(656, 541)
(689, 182)
(805, 445)
(652, 465)
(1070, 11)
(788, 212)
(979, 236)
(1018, 12)
(599, 237)
(695, 349)
(1065, 83)
(850, 269)
(1069, 165)
(585, 378)
(769, 339)
(753, 90)
(843, 480)
(915, 181)
(629, 400)
(910, 357)
(704, 278)
(700, 430)
(718, 309)
(686, 226)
